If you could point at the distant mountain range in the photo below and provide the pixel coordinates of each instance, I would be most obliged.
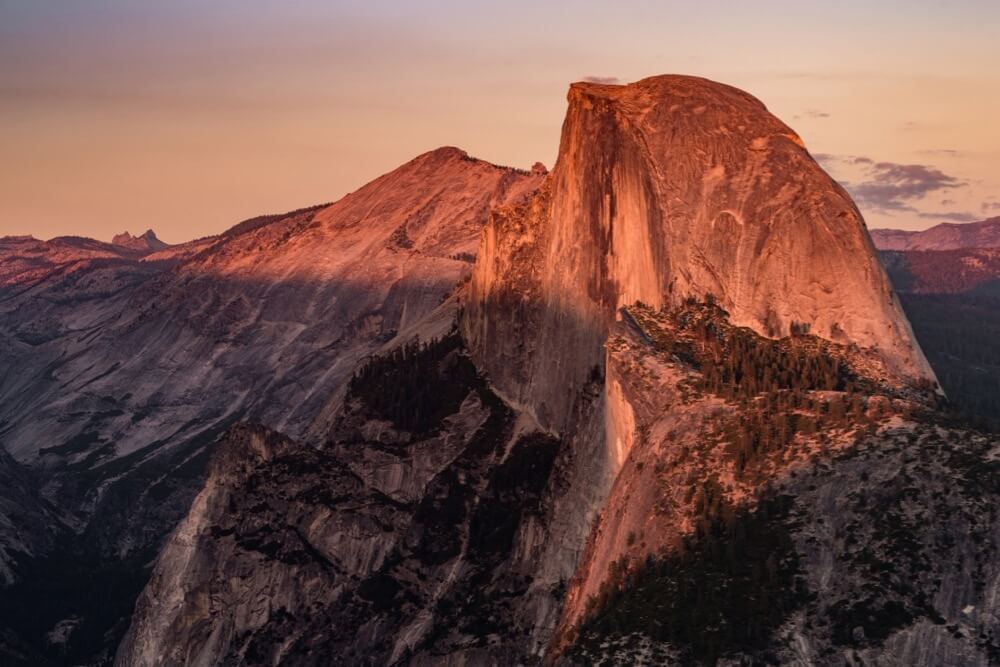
(945, 236)
(948, 280)
(147, 242)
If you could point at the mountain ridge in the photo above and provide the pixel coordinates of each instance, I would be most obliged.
(944, 236)
(526, 513)
(470, 414)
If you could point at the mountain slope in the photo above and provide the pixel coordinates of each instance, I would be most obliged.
(952, 299)
(678, 385)
(780, 503)
(944, 271)
(121, 371)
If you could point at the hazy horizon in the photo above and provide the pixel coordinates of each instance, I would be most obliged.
(189, 118)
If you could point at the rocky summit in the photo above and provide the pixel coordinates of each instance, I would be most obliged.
(658, 405)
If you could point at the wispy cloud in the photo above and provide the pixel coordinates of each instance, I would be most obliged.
(941, 152)
(609, 80)
(890, 186)
(812, 113)
(953, 216)
(991, 206)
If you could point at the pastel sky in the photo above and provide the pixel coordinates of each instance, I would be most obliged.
(187, 117)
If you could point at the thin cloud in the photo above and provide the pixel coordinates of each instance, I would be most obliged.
(834, 160)
(945, 152)
(607, 80)
(952, 216)
(991, 206)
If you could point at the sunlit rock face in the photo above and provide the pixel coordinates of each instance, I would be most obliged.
(493, 497)
(666, 188)
(121, 368)
(257, 321)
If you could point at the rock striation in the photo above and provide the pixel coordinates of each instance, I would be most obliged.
(638, 409)
(663, 189)
(123, 368)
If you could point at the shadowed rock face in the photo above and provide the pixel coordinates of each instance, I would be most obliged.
(389, 546)
(952, 299)
(121, 368)
(497, 505)
(667, 188)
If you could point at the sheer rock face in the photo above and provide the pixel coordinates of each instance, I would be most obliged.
(28, 525)
(667, 188)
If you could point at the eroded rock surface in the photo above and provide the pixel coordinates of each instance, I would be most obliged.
(651, 428)
(667, 188)
(122, 367)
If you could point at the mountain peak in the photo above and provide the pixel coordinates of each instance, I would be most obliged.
(679, 85)
(146, 242)
(665, 189)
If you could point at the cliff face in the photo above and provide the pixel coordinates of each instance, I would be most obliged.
(427, 531)
(667, 188)
(678, 391)
(817, 515)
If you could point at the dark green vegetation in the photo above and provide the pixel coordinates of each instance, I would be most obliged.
(796, 386)
(898, 516)
(724, 591)
(416, 385)
(960, 334)
(737, 364)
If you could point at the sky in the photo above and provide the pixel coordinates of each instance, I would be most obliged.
(187, 117)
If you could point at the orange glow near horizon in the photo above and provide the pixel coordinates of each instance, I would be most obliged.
(187, 119)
